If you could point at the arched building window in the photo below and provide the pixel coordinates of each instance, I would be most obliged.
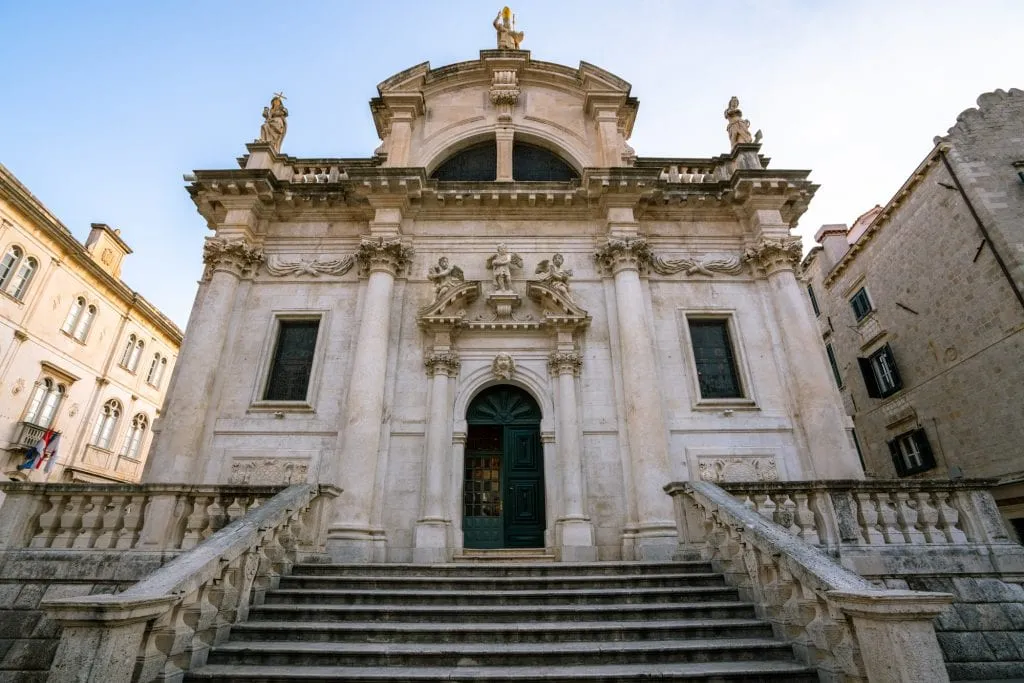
(479, 163)
(133, 442)
(156, 370)
(132, 353)
(79, 319)
(8, 265)
(23, 277)
(44, 402)
(106, 424)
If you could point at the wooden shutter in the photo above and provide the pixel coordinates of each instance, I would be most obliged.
(869, 377)
(896, 379)
(927, 457)
(897, 458)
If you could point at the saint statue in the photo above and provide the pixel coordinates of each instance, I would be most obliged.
(502, 264)
(505, 25)
(554, 276)
(275, 124)
(738, 128)
(444, 276)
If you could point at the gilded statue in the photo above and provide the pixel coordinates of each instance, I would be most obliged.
(275, 123)
(738, 127)
(502, 264)
(554, 276)
(444, 276)
(505, 25)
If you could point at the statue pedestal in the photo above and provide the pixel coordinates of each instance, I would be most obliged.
(503, 303)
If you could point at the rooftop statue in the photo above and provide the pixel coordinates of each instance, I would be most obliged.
(505, 25)
(738, 128)
(275, 123)
(502, 264)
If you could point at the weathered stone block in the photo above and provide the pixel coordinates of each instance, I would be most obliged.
(18, 623)
(984, 617)
(950, 620)
(30, 654)
(1003, 646)
(8, 594)
(965, 647)
(30, 595)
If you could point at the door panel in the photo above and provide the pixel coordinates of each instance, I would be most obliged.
(482, 525)
(524, 488)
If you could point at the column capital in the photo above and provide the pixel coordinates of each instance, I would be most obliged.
(380, 253)
(237, 256)
(774, 255)
(618, 254)
(442, 364)
(565, 362)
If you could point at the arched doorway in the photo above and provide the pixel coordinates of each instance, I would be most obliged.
(503, 483)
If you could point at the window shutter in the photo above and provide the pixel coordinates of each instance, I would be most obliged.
(897, 458)
(927, 457)
(896, 379)
(869, 378)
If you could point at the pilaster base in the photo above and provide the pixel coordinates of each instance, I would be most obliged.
(656, 541)
(577, 541)
(431, 542)
(347, 544)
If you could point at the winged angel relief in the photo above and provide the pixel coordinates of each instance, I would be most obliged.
(445, 276)
(502, 264)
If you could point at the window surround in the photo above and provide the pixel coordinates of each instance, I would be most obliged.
(748, 401)
(47, 397)
(861, 293)
(103, 436)
(833, 362)
(881, 373)
(257, 403)
(18, 269)
(132, 354)
(814, 300)
(78, 323)
(911, 453)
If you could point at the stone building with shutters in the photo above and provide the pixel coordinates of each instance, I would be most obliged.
(81, 353)
(503, 328)
(920, 307)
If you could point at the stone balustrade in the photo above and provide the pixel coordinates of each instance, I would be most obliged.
(880, 527)
(830, 614)
(111, 517)
(311, 172)
(674, 173)
(164, 625)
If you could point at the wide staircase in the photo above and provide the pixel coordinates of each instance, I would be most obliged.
(524, 621)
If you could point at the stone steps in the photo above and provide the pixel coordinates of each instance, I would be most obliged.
(503, 621)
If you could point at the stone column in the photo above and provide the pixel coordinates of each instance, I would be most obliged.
(350, 535)
(577, 532)
(818, 410)
(431, 543)
(456, 473)
(645, 419)
(175, 454)
(503, 136)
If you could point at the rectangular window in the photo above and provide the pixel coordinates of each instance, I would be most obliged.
(835, 366)
(814, 301)
(861, 304)
(911, 453)
(880, 374)
(292, 361)
(717, 373)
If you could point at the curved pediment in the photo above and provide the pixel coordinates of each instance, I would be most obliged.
(581, 116)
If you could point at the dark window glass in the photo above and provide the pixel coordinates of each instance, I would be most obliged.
(814, 300)
(716, 367)
(476, 163)
(881, 377)
(861, 304)
(1018, 525)
(834, 364)
(911, 453)
(293, 360)
(531, 163)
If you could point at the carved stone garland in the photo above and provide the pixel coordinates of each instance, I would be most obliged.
(278, 267)
(705, 265)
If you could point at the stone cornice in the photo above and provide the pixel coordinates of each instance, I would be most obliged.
(74, 251)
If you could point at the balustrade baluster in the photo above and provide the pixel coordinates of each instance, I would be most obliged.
(887, 515)
(867, 515)
(906, 513)
(49, 521)
(196, 523)
(928, 517)
(70, 521)
(92, 522)
(949, 518)
(804, 519)
(131, 522)
(110, 527)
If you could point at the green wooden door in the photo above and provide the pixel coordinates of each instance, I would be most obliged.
(503, 486)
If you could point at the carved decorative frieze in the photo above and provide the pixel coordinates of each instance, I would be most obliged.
(505, 87)
(704, 265)
(630, 253)
(503, 366)
(279, 267)
(442, 363)
(560, 362)
(236, 256)
(771, 255)
(379, 253)
(738, 469)
(268, 471)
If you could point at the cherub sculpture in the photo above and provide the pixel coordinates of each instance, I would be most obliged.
(444, 276)
(554, 276)
(502, 264)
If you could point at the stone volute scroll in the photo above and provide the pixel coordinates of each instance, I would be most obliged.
(446, 363)
(626, 253)
(503, 366)
(505, 25)
(238, 256)
(280, 267)
(560, 362)
(275, 122)
(554, 276)
(737, 127)
(704, 265)
(772, 255)
(445, 277)
(388, 254)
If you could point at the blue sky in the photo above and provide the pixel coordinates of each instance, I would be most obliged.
(107, 104)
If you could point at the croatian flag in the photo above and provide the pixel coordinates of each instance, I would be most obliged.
(35, 455)
(50, 454)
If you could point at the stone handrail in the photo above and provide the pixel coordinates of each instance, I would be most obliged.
(312, 172)
(120, 516)
(688, 174)
(830, 614)
(166, 624)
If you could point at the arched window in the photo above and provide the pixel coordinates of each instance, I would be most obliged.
(8, 265)
(530, 163)
(129, 347)
(76, 310)
(106, 424)
(156, 370)
(82, 329)
(23, 277)
(136, 355)
(135, 436)
(44, 402)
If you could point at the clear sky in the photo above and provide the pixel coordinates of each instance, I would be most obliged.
(107, 104)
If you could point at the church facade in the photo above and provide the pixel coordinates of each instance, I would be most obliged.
(504, 329)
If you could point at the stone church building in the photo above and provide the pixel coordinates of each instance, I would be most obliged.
(504, 329)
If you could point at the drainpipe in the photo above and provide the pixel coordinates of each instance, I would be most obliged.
(981, 226)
